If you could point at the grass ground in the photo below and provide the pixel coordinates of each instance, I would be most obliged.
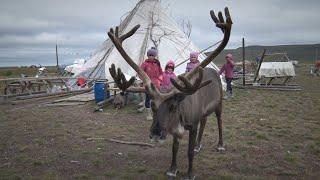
(267, 135)
(13, 72)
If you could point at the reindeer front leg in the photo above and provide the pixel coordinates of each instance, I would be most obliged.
(172, 172)
(220, 147)
(192, 142)
(200, 133)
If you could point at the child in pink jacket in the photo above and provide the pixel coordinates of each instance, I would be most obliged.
(167, 75)
(194, 62)
(227, 69)
(151, 66)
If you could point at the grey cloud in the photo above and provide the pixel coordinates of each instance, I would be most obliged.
(263, 22)
(50, 39)
(84, 23)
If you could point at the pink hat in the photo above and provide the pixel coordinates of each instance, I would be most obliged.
(229, 56)
(170, 62)
(194, 55)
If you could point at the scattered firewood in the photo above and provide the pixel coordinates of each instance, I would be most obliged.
(122, 142)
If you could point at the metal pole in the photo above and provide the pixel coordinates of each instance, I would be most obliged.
(317, 48)
(243, 64)
(57, 58)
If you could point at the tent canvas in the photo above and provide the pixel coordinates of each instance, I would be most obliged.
(157, 29)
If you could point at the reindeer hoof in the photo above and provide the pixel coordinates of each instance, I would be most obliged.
(153, 139)
(172, 173)
(198, 148)
(221, 149)
(161, 141)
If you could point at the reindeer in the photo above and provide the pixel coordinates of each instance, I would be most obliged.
(194, 96)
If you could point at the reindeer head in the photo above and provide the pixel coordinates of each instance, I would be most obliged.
(165, 106)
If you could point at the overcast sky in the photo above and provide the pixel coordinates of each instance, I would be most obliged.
(82, 24)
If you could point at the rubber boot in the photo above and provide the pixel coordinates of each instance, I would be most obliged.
(231, 95)
(141, 104)
(149, 114)
(226, 96)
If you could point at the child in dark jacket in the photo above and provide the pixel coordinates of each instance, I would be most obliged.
(167, 75)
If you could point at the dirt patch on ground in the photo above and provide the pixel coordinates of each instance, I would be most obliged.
(267, 134)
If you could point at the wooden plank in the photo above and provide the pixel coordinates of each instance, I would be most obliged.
(263, 84)
(270, 86)
(46, 78)
(286, 80)
(273, 54)
(260, 62)
(14, 85)
(123, 142)
(24, 94)
(85, 97)
(65, 104)
(269, 82)
(280, 88)
(130, 89)
(54, 94)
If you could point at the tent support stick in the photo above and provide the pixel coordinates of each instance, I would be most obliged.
(243, 64)
(260, 62)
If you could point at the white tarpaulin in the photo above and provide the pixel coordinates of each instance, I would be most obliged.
(76, 67)
(276, 69)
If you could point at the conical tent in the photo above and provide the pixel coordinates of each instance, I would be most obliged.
(157, 29)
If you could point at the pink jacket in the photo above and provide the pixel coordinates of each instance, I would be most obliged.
(166, 83)
(227, 68)
(192, 65)
(153, 70)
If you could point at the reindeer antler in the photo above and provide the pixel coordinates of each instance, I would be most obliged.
(120, 79)
(225, 27)
(189, 88)
(117, 41)
(115, 35)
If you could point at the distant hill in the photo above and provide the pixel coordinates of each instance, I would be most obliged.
(302, 53)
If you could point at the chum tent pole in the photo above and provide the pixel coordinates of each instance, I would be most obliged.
(57, 59)
(243, 64)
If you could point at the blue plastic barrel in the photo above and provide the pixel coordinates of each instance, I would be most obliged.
(100, 93)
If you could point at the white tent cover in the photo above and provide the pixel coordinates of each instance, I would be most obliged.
(174, 44)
